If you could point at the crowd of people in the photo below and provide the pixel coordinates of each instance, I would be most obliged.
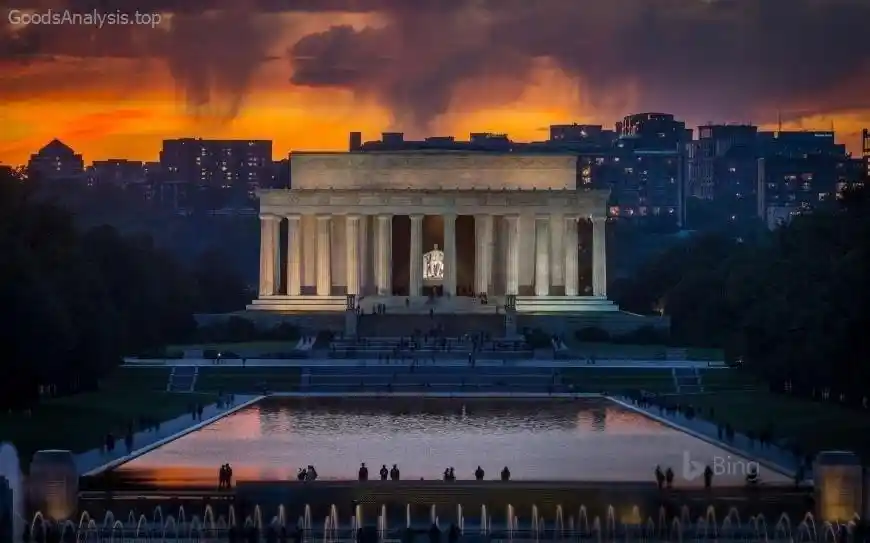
(394, 474)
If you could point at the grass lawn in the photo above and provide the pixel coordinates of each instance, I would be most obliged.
(248, 380)
(639, 352)
(80, 423)
(245, 348)
(814, 425)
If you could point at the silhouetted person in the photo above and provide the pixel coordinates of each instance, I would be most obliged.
(311, 474)
(452, 474)
(363, 472)
(708, 477)
(447, 474)
(505, 474)
(752, 478)
(222, 476)
(394, 473)
(660, 477)
(302, 475)
(229, 476)
(478, 473)
(669, 477)
(384, 472)
(453, 534)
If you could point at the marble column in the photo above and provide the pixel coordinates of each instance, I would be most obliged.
(269, 235)
(415, 266)
(324, 276)
(488, 250)
(384, 262)
(512, 282)
(450, 255)
(599, 257)
(294, 255)
(352, 260)
(570, 241)
(481, 281)
(365, 258)
(542, 256)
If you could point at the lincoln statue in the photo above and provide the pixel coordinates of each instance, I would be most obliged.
(412, 229)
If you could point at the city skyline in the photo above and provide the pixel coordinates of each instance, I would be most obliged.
(278, 154)
(307, 77)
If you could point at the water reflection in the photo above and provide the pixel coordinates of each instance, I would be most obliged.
(593, 440)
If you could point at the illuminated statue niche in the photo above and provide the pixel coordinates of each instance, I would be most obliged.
(433, 265)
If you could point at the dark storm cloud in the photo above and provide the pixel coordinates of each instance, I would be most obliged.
(702, 59)
(212, 54)
(728, 59)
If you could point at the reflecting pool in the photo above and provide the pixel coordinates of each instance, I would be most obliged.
(576, 440)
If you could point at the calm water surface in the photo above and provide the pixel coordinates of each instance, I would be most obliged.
(591, 440)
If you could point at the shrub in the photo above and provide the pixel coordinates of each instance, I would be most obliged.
(592, 334)
(645, 335)
(538, 339)
(282, 332)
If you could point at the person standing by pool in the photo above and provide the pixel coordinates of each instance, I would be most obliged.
(394, 473)
(384, 473)
(363, 472)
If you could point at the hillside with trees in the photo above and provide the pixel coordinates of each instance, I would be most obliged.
(789, 305)
(76, 300)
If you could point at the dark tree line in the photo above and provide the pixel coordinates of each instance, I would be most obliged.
(75, 301)
(790, 305)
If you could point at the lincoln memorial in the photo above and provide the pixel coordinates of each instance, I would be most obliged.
(422, 230)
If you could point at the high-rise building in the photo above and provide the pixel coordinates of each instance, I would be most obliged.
(649, 168)
(575, 133)
(713, 146)
(865, 150)
(56, 161)
(799, 171)
(116, 171)
(238, 164)
(355, 141)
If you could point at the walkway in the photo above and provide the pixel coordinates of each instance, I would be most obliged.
(537, 363)
(709, 430)
(95, 458)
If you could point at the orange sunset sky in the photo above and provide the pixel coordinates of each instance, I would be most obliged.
(109, 104)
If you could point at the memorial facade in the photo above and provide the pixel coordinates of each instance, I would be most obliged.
(329, 241)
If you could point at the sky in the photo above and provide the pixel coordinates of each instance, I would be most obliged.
(304, 73)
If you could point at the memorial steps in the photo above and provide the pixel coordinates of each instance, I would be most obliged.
(299, 304)
(422, 305)
(564, 304)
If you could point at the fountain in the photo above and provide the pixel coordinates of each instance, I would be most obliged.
(484, 521)
(10, 469)
(611, 526)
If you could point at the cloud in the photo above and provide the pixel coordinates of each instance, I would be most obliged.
(701, 59)
(724, 59)
(212, 55)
